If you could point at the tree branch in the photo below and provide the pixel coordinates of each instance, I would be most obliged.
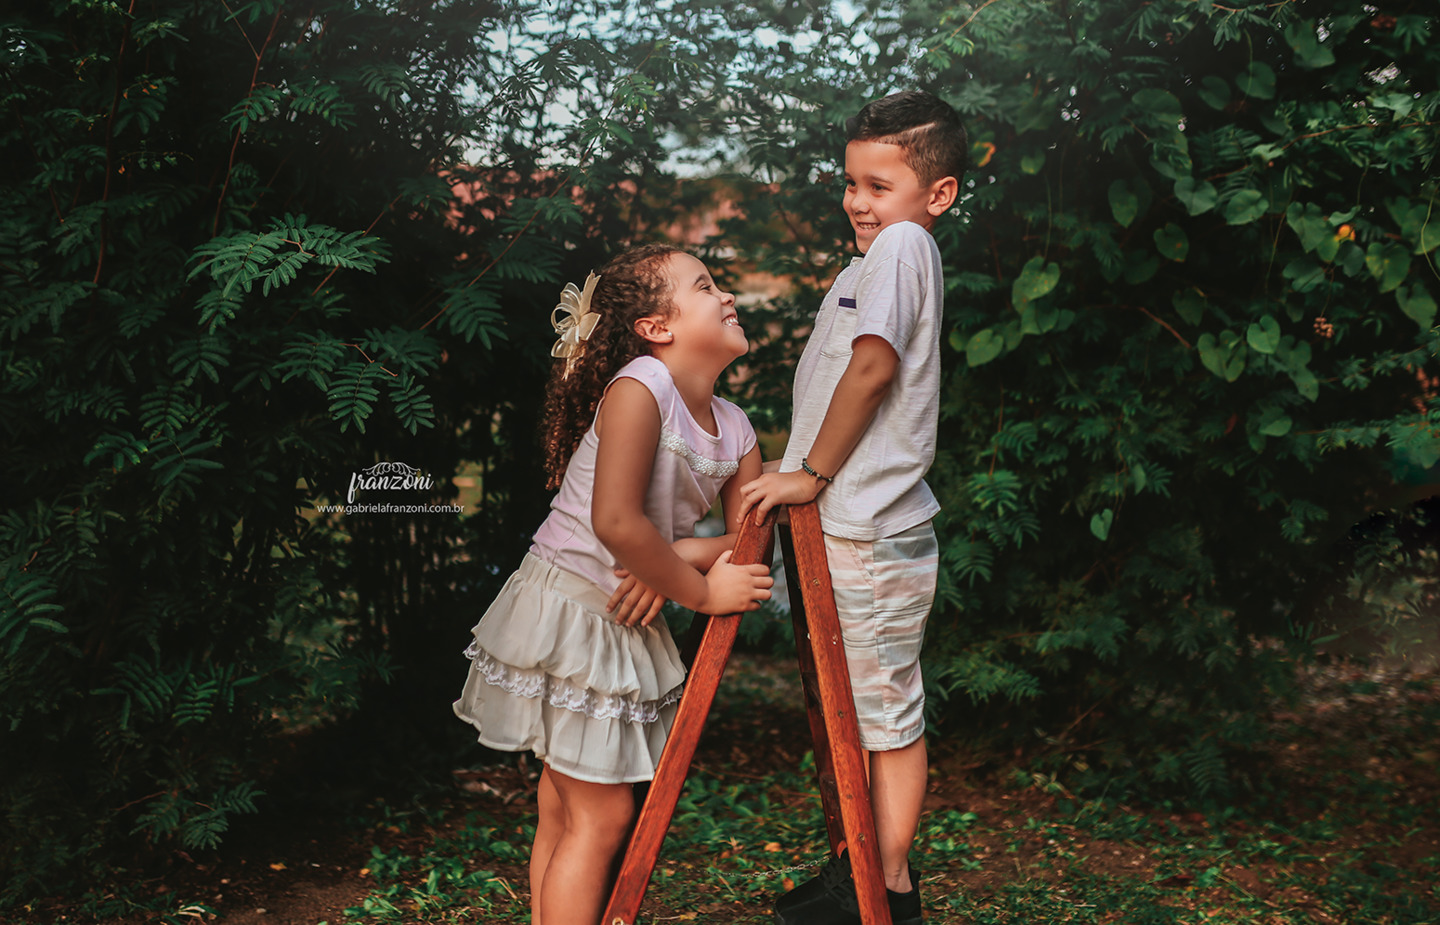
(110, 141)
(584, 155)
(1162, 323)
(956, 31)
(235, 145)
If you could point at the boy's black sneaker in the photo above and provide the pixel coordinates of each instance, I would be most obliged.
(829, 899)
(836, 872)
(905, 907)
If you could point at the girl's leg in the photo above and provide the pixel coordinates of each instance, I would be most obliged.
(547, 831)
(596, 822)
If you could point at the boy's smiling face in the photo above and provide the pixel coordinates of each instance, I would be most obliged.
(881, 189)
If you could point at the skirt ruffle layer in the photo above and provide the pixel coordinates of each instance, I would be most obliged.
(550, 673)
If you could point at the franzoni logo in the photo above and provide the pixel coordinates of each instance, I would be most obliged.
(388, 476)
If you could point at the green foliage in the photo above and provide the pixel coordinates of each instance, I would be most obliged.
(421, 889)
(234, 271)
(245, 252)
(1278, 299)
(1191, 298)
(152, 533)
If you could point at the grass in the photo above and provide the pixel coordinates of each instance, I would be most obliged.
(1349, 834)
(1352, 841)
(735, 844)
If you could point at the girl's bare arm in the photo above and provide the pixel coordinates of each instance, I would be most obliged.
(629, 432)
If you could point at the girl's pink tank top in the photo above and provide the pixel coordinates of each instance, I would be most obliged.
(689, 469)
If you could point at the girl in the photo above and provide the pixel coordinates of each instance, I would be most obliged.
(594, 696)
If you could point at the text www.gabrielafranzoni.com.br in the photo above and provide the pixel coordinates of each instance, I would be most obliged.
(390, 508)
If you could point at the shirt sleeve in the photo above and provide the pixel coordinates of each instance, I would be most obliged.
(891, 291)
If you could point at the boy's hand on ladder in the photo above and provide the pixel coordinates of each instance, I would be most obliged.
(775, 489)
(634, 601)
(735, 588)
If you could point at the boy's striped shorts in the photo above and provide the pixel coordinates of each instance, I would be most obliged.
(883, 593)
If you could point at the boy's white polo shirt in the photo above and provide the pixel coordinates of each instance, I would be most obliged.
(895, 291)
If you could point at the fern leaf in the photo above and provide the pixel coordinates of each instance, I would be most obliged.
(166, 409)
(412, 405)
(315, 357)
(353, 394)
(204, 354)
(23, 596)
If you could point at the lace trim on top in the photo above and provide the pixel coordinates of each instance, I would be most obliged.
(714, 468)
(533, 683)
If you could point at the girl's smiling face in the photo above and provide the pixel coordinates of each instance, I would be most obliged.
(881, 190)
(704, 315)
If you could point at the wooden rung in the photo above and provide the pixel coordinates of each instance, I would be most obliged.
(830, 706)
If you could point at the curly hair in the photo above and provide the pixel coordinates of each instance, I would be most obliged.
(633, 285)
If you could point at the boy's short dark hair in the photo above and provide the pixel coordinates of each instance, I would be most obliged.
(924, 126)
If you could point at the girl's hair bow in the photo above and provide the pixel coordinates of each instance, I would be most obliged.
(573, 321)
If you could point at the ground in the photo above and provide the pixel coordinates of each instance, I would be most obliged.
(1353, 838)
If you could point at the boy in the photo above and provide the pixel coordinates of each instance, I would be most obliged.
(867, 395)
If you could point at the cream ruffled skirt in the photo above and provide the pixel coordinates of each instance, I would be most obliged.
(552, 674)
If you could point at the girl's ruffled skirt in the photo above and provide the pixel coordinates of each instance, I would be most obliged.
(550, 673)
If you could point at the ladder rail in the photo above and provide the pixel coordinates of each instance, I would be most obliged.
(826, 650)
(753, 545)
(840, 762)
(809, 685)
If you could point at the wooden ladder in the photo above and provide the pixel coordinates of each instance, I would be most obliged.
(840, 764)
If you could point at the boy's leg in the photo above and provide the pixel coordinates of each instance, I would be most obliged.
(883, 593)
(898, 779)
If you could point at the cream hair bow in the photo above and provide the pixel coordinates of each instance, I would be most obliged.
(573, 320)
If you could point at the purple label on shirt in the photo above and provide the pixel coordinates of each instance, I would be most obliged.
(846, 303)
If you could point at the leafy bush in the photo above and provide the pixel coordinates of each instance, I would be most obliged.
(216, 230)
(1191, 295)
(1192, 311)
(248, 250)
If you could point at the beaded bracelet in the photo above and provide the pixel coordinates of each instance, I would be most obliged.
(805, 464)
